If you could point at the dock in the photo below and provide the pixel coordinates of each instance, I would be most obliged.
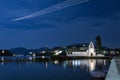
(114, 70)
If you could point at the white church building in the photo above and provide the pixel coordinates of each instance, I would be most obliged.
(87, 50)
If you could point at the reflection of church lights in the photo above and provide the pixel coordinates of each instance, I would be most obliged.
(104, 62)
(46, 65)
(56, 62)
(92, 64)
(30, 58)
(79, 63)
(64, 64)
(88, 64)
(2, 58)
(2, 63)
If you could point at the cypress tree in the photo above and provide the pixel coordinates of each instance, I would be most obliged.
(98, 43)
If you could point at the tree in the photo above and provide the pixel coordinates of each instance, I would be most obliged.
(98, 43)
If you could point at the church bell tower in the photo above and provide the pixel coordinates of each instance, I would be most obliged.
(91, 50)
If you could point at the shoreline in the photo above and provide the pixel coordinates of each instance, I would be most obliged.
(81, 57)
(60, 58)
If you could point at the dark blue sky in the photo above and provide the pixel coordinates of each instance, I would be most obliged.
(75, 24)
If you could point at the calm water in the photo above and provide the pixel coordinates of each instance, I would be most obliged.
(52, 70)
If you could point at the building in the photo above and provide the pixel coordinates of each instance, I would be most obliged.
(5, 53)
(57, 50)
(81, 50)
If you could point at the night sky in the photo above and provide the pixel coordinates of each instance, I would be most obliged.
(75, 24)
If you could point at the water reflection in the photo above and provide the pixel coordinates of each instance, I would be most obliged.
(96, 67)
(79, 68)
(56, 62)
(87, 64)
(90, 64)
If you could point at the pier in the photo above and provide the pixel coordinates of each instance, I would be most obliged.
(114, 70)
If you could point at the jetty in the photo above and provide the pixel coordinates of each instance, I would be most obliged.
(114, 70)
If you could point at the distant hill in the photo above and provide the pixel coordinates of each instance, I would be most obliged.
(21, 50)
(25, 51)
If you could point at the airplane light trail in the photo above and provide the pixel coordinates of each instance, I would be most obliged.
(53, 8)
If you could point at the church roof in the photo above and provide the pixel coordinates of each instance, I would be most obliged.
(77, 47)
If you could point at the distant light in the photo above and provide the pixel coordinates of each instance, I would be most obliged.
(56, 62)
(34, 55)
(2, 58)
(83, 45)
(43, 51)
(30, 53)
(3, 51)
(43, 57)
(30, 58)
